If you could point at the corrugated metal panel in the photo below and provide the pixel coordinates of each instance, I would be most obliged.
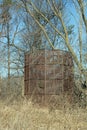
(48, 73)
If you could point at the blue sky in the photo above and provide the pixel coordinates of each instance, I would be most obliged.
(72, 18)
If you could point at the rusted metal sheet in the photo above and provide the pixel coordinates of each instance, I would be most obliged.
(48, 72)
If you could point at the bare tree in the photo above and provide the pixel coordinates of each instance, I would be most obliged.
(83, 5)
(12, 59)
(55, 7)
(6, 18)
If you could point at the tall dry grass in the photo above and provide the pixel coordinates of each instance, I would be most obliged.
(23, 115)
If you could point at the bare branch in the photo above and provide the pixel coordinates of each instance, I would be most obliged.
(80, 2)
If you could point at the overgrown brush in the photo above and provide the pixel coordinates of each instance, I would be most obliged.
(23, 115)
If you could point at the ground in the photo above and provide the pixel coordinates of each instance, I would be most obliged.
(23, 115)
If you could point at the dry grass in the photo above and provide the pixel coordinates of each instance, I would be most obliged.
(22, 115)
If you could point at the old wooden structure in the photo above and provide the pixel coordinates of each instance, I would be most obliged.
(47, 73)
